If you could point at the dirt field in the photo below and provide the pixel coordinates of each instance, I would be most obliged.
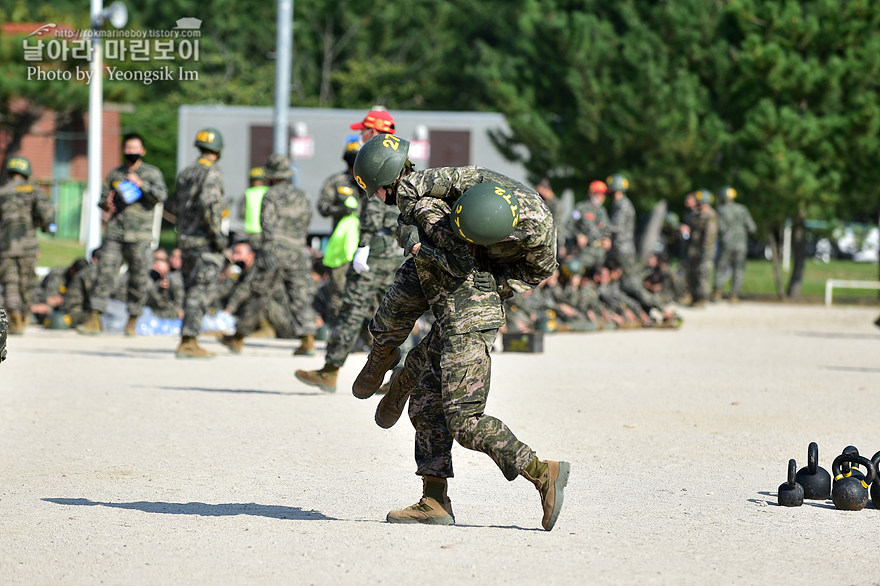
(121, 465)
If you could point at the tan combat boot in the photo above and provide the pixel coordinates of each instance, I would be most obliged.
(264, 331)
(235, 342)
(16, 324)
(306, 346)
(92, 326)
(549, 478)
(380, 360)
(434, 508)
(189, 348)
(324, 379)
(131, 325)
(391, 406)
(734, 298)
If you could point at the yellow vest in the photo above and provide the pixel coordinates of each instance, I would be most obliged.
(253, 201)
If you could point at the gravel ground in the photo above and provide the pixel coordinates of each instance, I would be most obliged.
(120, 464)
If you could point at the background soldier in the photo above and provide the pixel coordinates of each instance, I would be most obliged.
(129, 197)
(23, 205)
(4, 325)
(285, 218)
(622, 225)
(250, 206)
(199, 206)
(590, 227)
(735, 223)
(702, 227)
(340, 197)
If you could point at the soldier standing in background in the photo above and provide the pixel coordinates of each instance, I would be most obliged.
(735, 223)
(251, 204)
(285, 217)
(340, 197)
(622, 225)
(23, 205)
(589, 227)
(128, 199)
(199, 206)
(4, 324)
(701, 229)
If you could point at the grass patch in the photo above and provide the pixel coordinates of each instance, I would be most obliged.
(55, 252)
(759, 282)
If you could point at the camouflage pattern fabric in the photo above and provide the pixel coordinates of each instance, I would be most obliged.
(735, 223)
(285, 217)
(622, 228)
(168, 302)
(591, 220)
(331, 204)
(4, 326)
(452, 364)
(127, 236)
(363, 292)
(23, 206)
(701, 252)
(258, 295)
(199, 206)
(78, 298)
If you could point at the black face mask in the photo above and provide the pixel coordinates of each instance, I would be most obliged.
(154, 274)
(132, 158)
(241, 264)
(390, 197)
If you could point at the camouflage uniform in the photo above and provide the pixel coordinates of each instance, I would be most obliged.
(199, 205)
(23, 205)
(79, 295)
(701, 251)
(334, 193)
(285, 218)
(166, 303)
(258, 294)
(4, 324)
(452, 364)
(591, 219)
(622, 227)
(735, 223)
(127, 237)
(364, 291)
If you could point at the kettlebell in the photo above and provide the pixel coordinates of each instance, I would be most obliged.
(848, 470)
(875, 486)
(850, 493)
(791, 494)
(815, 479)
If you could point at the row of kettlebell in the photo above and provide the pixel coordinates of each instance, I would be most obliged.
(850, 489)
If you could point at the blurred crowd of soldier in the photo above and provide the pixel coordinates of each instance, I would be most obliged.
(268, 277)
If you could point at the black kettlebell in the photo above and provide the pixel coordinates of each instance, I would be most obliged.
(848, 470)
(791, 494)
(815, 479)
(875, 486)
(850, 493)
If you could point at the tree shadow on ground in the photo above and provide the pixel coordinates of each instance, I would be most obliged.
(204, 509)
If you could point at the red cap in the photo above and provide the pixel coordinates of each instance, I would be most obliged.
(379, 120)
(598, 187)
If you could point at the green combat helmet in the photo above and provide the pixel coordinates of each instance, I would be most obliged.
(704, 196)
(380, 161)
(485, 214)
(209, 139)
(726, 194)
(19, 165)
(617, 183)
(278, 167)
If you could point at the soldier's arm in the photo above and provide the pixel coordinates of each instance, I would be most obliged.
(44, 211)
(269, 219)
(153, 189)
(445, 183)
(750, 223)
(212, 206)
(538, 260)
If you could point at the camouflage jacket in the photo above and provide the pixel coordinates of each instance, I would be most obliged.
(523, 260)
(166, 303)
(79, 291)
(590, 219)
(735, 223)
(622, 224)
(334, 193)
(134, 221)
(4, 324)
(198, 203)
(704, 234)
(23, 207)
(285, 217)
(379, 229)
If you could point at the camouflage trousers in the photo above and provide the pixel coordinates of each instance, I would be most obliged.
(4, 325)
(452, 373)
(360, 299)
(201, 281)
(295, 272)
(699, 277)
(137, 255)
(17, 275)
(730, 262)
(274, 308)
(336, 291)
